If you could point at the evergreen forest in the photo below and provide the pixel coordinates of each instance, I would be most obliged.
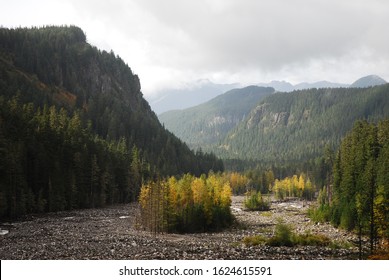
(75, 130)
(206, 125)
(255, 126)
(76, 133)
(297, 126)
(357, 197)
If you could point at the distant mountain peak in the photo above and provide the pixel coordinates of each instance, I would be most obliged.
(190, 95)
(368, 81)
(283, 86)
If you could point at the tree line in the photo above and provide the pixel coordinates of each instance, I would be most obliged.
(252, 180)
(358, 196)
(295, 186)
(50, 162)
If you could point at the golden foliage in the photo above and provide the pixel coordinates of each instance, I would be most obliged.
(186, 205)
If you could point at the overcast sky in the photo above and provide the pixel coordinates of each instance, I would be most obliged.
(170, 43)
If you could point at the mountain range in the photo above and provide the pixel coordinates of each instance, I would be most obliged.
(280, 126)
(210, 122)
(367, 81)
(296, 126)
(56, 66)
(204, 90)
(283, 86)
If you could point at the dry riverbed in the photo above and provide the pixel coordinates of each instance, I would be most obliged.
(112, 233)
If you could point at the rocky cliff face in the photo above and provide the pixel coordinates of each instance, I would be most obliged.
(297, 125)
(60, 57)
(56, 66)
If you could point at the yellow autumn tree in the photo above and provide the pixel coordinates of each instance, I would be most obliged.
(238, 182)
(295, 186)
(186, 205)
(300, 185)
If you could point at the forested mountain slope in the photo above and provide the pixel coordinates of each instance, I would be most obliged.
(75, 130)
(297, 125)
(207, 124)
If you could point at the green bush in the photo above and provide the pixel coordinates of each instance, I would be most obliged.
(283, 236)
(321, 214)
(255, 202)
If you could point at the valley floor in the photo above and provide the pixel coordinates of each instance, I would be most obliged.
(111, 233)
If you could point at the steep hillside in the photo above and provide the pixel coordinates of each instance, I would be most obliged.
(56, 66)
(208, 124)
(296, 126)
(75, 130)
(368, 81)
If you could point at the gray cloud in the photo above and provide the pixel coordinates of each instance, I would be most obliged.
(271, 36)
(170, 41)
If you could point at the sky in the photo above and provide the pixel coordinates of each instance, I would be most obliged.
(173, 43)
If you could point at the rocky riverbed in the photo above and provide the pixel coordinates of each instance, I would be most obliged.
(112, 233)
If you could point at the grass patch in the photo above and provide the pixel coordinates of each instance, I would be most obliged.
(254, 240)
(236, 244)
(309, 239)
(267, 214)
(341, 245)
(284, 236)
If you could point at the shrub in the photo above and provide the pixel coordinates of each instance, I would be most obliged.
(283, 236)
(309, 239)
(255, 202)
(321, 214)
(254, 240)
